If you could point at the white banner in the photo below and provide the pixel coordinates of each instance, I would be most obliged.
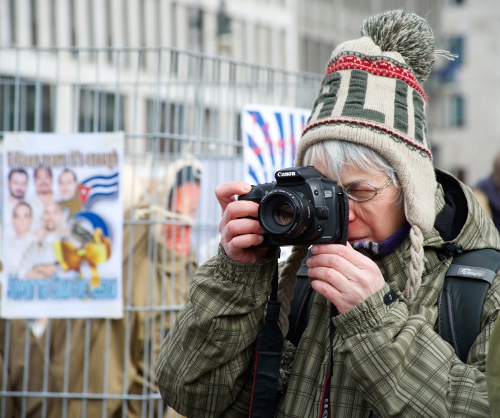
(270, 138)
(63, 225)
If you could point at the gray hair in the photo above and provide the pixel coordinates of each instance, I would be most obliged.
(335, 155)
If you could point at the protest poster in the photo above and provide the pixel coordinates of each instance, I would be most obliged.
(63, 225)
(270, 137)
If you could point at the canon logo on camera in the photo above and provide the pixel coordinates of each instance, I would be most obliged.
(286, 173)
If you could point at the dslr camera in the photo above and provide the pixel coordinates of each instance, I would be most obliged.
(301, 207)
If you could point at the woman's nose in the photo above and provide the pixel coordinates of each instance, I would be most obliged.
(352, 210)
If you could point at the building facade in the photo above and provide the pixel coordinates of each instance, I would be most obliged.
(469, 131)
(294, 35)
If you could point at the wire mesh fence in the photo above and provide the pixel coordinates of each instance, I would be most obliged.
(177, 109)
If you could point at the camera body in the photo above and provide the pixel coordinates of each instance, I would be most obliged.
(301, 207)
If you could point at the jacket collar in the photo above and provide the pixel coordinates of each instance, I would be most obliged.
(460, 221)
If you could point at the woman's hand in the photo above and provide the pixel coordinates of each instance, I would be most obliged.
(344, 276)
(238, 232)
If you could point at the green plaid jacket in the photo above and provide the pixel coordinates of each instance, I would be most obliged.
(387, 358)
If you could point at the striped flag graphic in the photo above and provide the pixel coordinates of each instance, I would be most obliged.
(98, 187)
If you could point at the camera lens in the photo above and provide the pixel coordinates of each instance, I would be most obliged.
(283, 214)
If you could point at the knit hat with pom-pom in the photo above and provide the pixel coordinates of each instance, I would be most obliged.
(372, 95)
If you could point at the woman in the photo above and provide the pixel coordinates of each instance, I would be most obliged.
(383, 355)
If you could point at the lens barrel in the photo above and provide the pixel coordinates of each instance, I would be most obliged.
(285, 213)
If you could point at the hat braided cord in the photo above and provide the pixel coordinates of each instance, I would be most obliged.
(288, 277)
(416, 266)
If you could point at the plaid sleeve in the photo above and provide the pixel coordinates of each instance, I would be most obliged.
(203, 362)
(404, 368)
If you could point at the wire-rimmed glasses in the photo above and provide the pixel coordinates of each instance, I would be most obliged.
(361, 191)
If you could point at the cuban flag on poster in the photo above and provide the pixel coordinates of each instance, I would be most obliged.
(98, 187)
(270, 137)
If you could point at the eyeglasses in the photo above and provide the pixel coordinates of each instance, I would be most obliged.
(361, 191)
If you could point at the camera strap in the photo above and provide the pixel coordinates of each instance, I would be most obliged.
(269, 345)
(267, 359)
(326, 400)
(345, 218)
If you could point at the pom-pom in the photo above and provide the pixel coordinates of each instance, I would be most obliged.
(405, 33)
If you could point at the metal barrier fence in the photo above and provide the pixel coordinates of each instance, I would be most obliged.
(174, 106)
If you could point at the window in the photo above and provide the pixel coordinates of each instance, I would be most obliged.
(165, 121)
(34, 22)
(109, 29)
(100, 111)
(26, 105)
(72, 19)
(142, 24)
(314, 55)
(53, 20)
(13, 21)
(195, 26)
(173, 24)
(224, 31)
(456, 46)
(457, 111)
(90, 23)
(447, 72)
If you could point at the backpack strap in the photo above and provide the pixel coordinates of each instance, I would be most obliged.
(267, 360)
(461, 300)
(300, 305)
(459, 321)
